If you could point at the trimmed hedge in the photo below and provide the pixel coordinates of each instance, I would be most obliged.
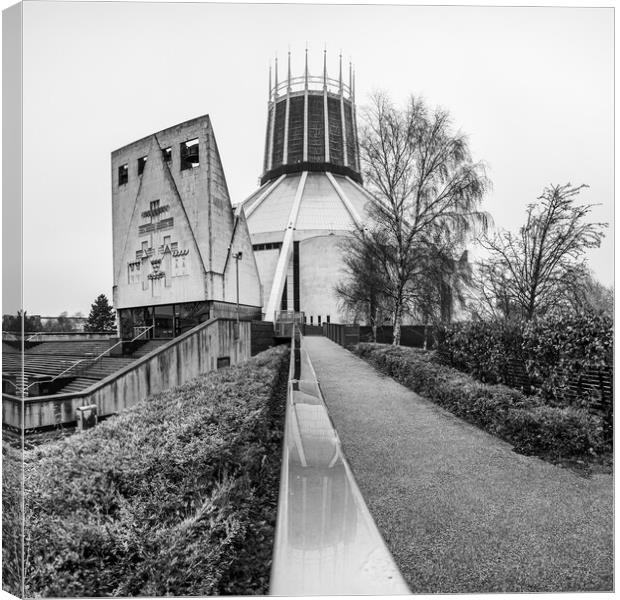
(524, 421)
(485, 349)
(175, 496)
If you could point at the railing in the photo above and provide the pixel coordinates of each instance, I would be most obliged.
(315, 82)
(91, 362)
(326, 541)
(108, 350)
(284, 322)
(42, 336)
(23, 389)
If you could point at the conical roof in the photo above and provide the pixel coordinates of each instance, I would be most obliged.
(326, 202)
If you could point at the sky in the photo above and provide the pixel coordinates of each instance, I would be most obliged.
(531, 87)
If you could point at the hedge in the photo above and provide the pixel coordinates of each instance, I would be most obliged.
(525, 421)
(551, 353)
(12, 520)
(176, 496)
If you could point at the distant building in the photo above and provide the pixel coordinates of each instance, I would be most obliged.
(175, 235)
(311, 193)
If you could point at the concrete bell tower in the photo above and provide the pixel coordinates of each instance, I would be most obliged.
(311, 192)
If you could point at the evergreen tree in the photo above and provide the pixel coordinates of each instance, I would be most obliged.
(101, 317)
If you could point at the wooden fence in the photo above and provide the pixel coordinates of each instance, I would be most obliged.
(412, 336)
(594, 385)
(345, 335)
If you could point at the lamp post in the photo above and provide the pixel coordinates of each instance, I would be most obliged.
(237, 256)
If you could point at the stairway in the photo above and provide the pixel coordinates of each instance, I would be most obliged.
(78, 384)
(148, 347)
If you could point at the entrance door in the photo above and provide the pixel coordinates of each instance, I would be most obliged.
(164, 321)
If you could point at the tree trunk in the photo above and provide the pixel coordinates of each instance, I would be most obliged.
(398, 317)
(374, 325)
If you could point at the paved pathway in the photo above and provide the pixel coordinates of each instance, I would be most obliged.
(460, 511)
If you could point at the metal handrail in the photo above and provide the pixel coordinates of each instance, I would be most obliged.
(93, 360)
(326, 541)
(77, 362)
(32, 335)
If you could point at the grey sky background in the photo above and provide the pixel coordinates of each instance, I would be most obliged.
(533, 88)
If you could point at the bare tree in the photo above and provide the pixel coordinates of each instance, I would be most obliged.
(583, 293)
(531, 272)
(364, 291)
(424, 184)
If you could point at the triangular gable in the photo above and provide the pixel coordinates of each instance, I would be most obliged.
(249, 281)
(158, 220)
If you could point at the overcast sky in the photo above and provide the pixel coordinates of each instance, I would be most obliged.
(533, 88)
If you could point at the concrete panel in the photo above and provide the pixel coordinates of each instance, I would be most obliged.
(274, 211)
(321, 206)
(320, 269)
(249, 282)
(266, 261)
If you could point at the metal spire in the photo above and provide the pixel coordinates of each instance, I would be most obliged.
(288, 85)
(340, 72)
(350, 78)
(306, 68)
(275, 88)
(325, 67)
(270, 80)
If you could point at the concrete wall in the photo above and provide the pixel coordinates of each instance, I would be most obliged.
(173, 364)
(266, 261)
(262, 336)
(321, 269)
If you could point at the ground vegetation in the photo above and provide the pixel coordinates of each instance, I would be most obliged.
(175, 496)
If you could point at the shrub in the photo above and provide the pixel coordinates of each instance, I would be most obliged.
(554, 431)
(485, 349)
(534, 428)
(12, 519)
(546, 354)
(176, 496)
(558, 350)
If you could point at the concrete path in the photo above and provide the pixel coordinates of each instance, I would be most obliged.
(460, 511)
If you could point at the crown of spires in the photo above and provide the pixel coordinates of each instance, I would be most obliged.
(276, 89)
